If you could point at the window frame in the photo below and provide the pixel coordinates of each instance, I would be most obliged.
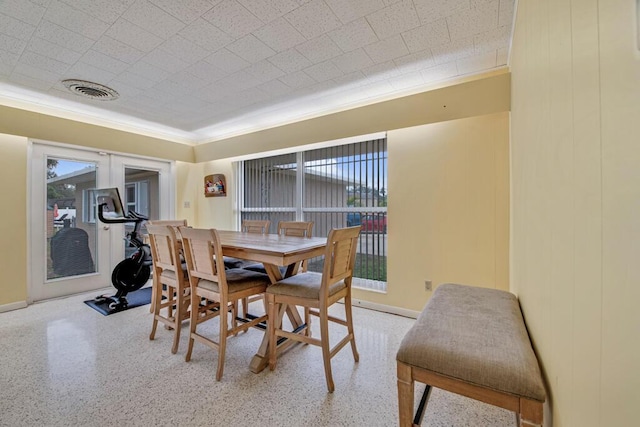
(301, 212)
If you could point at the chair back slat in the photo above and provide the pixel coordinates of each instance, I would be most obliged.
(173, 223)
(295, 228)
(164, 246)
(340, 255)
(202, 252)
(256, 226)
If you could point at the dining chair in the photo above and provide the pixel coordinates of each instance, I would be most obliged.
(169, 280)
(175, 223)
(296, 228)
(288, 228)
(257, 226)
(316, 292)
(214, 290)
(247, 226)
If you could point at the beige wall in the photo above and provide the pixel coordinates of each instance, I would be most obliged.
(217, 212)
(473, 96)
(13, 251)
(576, 202)
(451, 179)
(472, 247)
(448, 215)
(15, 121)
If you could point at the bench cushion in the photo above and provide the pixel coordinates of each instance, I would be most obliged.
(476, 335)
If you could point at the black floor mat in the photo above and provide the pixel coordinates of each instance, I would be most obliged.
(136, 299)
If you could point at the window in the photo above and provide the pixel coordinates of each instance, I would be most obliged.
(334, 187)
(137, 197)
(90, 211)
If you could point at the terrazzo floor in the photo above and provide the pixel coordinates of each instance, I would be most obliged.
(64, 364)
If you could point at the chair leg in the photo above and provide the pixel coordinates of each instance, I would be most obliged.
(272, 324)
(170, 300)
(179, 314)
(152, 306)
(326, 351)
(193, 320)
(234, 317)
(245, 306)
(156, 301)
(349, 316)
(224, 330)
(307, 321)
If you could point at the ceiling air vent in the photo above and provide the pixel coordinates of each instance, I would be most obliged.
(90, 90)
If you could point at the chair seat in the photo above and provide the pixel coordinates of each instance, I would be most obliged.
(259, 267)
(171, 275)
(238, 279)
(304, 285)
(231, 263)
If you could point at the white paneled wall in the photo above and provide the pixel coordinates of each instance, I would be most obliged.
(576, 203)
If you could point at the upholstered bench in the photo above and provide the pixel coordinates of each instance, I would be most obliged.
(471, 341)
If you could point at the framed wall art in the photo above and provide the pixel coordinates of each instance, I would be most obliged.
(215, 185)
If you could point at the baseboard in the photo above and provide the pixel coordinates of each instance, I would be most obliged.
(355, 302)
(385, 308)
(12, 306)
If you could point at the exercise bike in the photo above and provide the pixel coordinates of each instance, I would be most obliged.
(133, 272)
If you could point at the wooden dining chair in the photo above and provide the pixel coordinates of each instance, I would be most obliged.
(214, 290)
(316, 293)
(297, 228)
(248, 226)
(257, 226)
(169, 280)
(175, 223)
(288, 228)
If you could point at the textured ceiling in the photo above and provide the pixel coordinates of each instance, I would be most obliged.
(198, 70)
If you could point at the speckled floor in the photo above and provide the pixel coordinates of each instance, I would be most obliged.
(64, 364)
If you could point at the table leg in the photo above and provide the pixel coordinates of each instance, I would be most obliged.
(261, 359)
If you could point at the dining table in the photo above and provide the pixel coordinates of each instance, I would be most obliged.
(273, 251)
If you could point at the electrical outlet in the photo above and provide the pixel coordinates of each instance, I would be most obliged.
(187, 204)
(427, 285)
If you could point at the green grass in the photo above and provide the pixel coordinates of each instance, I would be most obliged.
(371, 267)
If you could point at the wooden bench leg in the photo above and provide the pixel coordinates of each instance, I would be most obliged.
(531, 413)
(405, 395)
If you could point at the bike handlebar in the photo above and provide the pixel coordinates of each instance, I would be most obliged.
(131, 217)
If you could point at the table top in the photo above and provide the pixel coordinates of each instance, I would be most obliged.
(271, 248)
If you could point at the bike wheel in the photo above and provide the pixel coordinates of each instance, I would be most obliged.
(128, 276)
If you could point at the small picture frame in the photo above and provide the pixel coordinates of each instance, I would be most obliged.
(215, 185)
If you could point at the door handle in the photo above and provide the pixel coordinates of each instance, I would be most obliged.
(106, 227)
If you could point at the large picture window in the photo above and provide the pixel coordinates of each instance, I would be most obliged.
(334, 187)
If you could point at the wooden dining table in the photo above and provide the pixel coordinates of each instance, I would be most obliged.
(273, 251)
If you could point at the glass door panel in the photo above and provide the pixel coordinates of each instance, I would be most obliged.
(71, 251)
(141, 191)
(71, 230)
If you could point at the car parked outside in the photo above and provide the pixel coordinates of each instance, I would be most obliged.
(353, 219)
(374, 223)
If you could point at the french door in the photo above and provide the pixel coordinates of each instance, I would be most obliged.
(70, 250)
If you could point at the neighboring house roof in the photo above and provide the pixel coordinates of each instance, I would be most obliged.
(75, 177)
